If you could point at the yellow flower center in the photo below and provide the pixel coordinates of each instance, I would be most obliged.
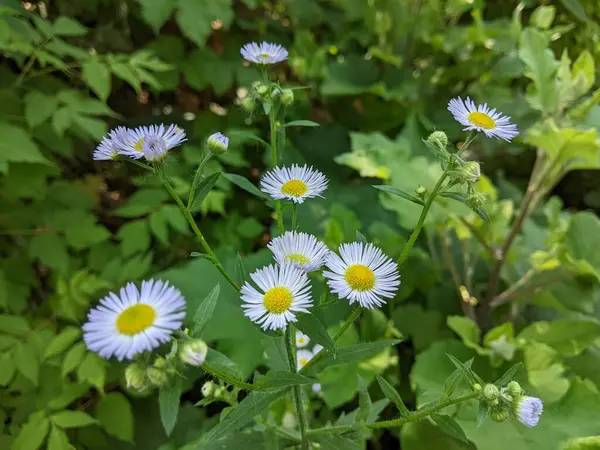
(297, 257)
(278, 300)
(303, 362)
(136, 319)
(481, 120)
(264, 55)
(139, 145)
(295, 188)
(360, 278)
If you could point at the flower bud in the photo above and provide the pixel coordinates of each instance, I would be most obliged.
(499, 414)
(193, 352)
(476, 387)
(421, 191)
(160, 362)
(218, 143)
(528, 410)
(260, 88)
(288, 420)
(208, 389)
(287, 97)
(475, 200)
(439, 139)
(490, 393)
(471, 172)
(248, 104)
(514, 389)
(276, 93)
(135, 377)
(157, 377)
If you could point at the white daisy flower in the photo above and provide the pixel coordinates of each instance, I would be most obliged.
(317, 348)
(481, 118)
(112, 145)
(362, 274)
(283, 291)
(301, 249)
(135, 321)
(295, 183)
(152, 142)
(303, 357)
(264, 53)
(528, 410)
(302, 340)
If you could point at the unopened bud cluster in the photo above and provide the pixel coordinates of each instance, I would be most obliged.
(267, 94)
(502, 402)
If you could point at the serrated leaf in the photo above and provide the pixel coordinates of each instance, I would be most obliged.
(168, 400)
(61, 342)
(393, 395)
(399, 193)
(205, 310)
(92, 370)
(357, 352)
(203, 188)
(97, 77)
(14, 325)
(39, 107)
(449, 426)
(58, 439)
(115, 415)
(27, 362)
(157, 12)
(195, 17)
(73, 358)
(276, 379)
(72, 419)
(245, 185)
(65, 26)
(300, 123)
(32, 435)
(16, 145)
(316, 331)
(508, 375)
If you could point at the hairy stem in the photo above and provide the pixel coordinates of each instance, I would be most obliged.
(290, 341)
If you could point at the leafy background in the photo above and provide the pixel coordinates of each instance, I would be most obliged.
(378, 75)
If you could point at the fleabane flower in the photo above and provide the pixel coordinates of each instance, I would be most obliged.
(303, 357)
(362, 273)
(112, 145)
(482, 118)
(295, 183)
(264, 53)
(302, 340)
(282, 292)
(134, 321)
(152, 142)
(528, 410)
(303, 250)
(218, 143)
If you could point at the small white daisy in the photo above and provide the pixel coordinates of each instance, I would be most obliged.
(528, 410)
(295, 183)
(284, 290)
(264, 53)
(152, 142)
(302, 340)
(301, 249)
(482, 118)
(317, 348)
(135, 321)
(303, 357)
(362, 274)
(111, 145)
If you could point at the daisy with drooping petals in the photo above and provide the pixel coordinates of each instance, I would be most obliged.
(303, 250)
(111, 145)
(134, 321)
(482, 118)
(153, 142)
(282, 292)
(295, 183)
(302, 340)
(528, 410)
(303, 357)
(363, 274)
(264, 53)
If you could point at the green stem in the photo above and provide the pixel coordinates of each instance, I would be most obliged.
(197, 180)
(417, 415)
(294, 216)
(223, 376)
(290, 340)
(209, 251)
(135, 162)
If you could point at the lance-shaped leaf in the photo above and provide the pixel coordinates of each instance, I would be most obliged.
(315, 330)
(400, 193)
(202, 190)
(276, 379)
(393, 395)
(205, 310)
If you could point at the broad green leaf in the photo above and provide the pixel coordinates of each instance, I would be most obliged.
(203, 188)
(245, 185)
(50, 250)
(72, 419)
(7, 369)
(65, 26)
(16, 145)
(316, 331)
(32, 435)
(567, 336)
(543, 16)
(249, 135)
(58, 439)
(332, 441)
(585, 443)
(157, 12)
(73, 358)
(27, 362)
(584, 73)
(400, 193)
(39, 107)
(134, 237)
(14, 325)
(195, 17)
(449, 426)
(218, 363)
(424, 435)
(581, 247)
(115, 415)
(61, 342)
(276, 379)
(97, 77)
(205, 310)
(393, 395)
(93, 371)
(357, 352)
(575, 8)
(468, 330)
(545, 372)
(300, 123)
(168, 400)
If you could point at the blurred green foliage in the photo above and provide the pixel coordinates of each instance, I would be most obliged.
(378, 75)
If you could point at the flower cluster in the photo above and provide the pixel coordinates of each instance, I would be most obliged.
(501, 402)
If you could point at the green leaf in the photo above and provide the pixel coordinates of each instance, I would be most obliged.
(157, 12)
(508, 375)
(584, 73)
(72, 419)
(203, 188)
(575, 8)
(115, 415)
(424, 435)
(39, 107)
(361, 237)
(73, 358)
(453, 381)
(357, 352)
(582, 226)
(14, 325)
(7, 369)
(249, 135)
(27, 362)
(567, 336)
(399, 193)
(466, 371)
(546, 372)
(205, 310)
(393, 395)
(276, 379)
(32, 435)
(93, 371)
(195, 16)
(65, 26)
(50, 250)
(97, 77)
(16, 145)
(449, 426)
(460, 197)
(168, 400)
(240, 271)
(61, 342)
(468, 330)
(543, 16)
(58, 439)
(316, 331)
(300, 123)
(245, 185)
(219, 363)
(134, 237)
(364, 401)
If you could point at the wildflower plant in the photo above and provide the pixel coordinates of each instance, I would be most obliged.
(278, 298)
